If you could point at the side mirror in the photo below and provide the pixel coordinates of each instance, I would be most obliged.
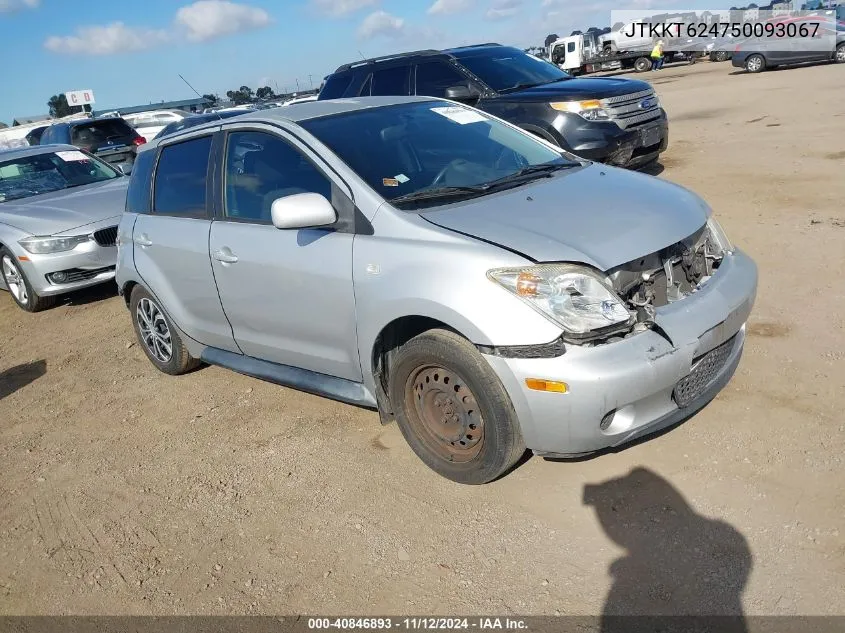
(302, 211)
(461, 93)
(121, 169)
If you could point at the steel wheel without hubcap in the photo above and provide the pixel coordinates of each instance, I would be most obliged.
(445, 413)
(154, 331)
(14, 280)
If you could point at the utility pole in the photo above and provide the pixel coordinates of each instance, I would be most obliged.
(311, 81)
(297, 84)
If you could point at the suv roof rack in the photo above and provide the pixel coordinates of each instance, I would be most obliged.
(385, 58)
(458, 48)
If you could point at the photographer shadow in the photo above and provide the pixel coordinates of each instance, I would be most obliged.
(681, 570)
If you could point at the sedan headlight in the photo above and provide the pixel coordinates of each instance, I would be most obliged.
(592, 110)
(45, 245)
(718, 236)
(581, 301)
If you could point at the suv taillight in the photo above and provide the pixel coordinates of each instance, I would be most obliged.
(139, 140)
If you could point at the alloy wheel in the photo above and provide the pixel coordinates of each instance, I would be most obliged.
(754, 64)
(14, 280)
(154, 331)
(840, 54)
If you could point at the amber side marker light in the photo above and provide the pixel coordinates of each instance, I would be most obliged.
(23, 258)
(538, 384)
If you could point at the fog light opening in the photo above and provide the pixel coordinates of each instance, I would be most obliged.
(58, 278)
(607, 420)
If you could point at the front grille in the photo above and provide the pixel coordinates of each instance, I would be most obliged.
(79, 274)
(704, 369)
(626, 112)
(106, 236)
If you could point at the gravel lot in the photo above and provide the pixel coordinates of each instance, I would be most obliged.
(124, 491)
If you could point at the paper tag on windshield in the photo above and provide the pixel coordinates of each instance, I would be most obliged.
(402, 178)
(460, 115)
(71, 155)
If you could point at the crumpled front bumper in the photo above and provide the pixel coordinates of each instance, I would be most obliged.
(620, 391)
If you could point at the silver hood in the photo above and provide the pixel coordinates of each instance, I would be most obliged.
(597, 215)
(67, 209)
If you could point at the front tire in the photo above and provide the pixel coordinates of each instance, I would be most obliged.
(157, 336)
(839, 55)
(453, 410)
(19, 286)
(642, 64)
(755, 64)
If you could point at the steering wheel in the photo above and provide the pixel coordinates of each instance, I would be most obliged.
(438, 179)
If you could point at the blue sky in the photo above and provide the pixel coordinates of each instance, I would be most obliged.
(130, 52)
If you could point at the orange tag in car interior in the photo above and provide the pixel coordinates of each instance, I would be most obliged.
(390, 182)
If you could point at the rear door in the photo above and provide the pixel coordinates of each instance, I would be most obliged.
(171, 242)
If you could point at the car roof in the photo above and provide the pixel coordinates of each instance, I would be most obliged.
(33, 150)
(410, 55)
(305, 111)
(475, 48)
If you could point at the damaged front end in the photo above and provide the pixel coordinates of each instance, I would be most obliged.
(672, 273)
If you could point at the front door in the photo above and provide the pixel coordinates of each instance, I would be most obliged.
(287, 293)
(171, 244)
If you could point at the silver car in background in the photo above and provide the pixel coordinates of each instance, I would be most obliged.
(484, 288)
(59, 209)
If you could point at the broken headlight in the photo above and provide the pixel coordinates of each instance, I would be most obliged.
(579, 300)
(718, 237)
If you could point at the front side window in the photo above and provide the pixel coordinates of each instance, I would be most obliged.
(180, 180)
(433, 78)
(404, 149)
(261, 168)
(506, 69)
(53, 171)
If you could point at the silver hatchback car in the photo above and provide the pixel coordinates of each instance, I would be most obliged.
(486, 290)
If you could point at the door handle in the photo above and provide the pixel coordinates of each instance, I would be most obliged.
(225, 256)
(143, 240)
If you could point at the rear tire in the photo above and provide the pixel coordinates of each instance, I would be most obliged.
(18, 285)
(755, 64)
(453, 410)
(158, 338)
(643, 64)
(839, 55)
(721, 56)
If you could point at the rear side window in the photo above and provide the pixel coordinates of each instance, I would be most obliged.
(336, 86)
(100, 131)
(180, 179)
(140, 183)
(433, 78)
(48, 137)
(390, 81)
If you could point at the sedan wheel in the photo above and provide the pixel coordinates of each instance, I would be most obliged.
(755, 64)
(840, 54)
(14, 281)
(153, 330)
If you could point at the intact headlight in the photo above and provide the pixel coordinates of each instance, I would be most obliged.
(592, 109)
(45, 245)
(579, 300)
(718, 236)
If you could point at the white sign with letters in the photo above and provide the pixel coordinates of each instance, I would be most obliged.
(79, 97)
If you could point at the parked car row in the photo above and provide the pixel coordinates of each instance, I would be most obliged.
(452, 267)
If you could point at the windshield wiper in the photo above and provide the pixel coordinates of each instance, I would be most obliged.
(526, 85)
(526, 174)
(439, 194)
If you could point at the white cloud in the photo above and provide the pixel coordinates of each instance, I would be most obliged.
(339, 8)
(208, 19)
(448, 7)
(380, 23)
(106, 40)
(501, 9)
(8, 6)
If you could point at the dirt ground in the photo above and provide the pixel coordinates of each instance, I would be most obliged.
(125, 491)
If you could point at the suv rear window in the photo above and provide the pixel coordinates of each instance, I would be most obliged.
(100, 131)
(336, 86)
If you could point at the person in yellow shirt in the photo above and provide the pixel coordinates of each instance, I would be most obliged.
(657, 56)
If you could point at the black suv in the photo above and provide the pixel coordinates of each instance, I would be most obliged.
(607, 119)
(110, 139)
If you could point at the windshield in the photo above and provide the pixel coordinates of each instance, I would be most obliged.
(43, 173)
(405, 149)
(506, 68)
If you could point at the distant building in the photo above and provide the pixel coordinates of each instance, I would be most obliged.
(186, 105)
(751, 15)
(781, 8)
(26, 120)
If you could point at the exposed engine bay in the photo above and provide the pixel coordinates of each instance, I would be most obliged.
(668, 275)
